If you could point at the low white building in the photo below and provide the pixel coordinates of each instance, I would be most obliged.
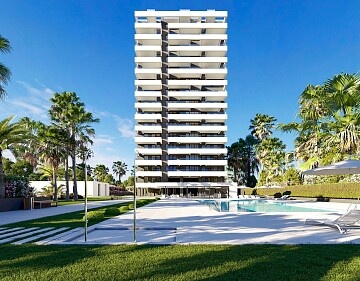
(94, 188)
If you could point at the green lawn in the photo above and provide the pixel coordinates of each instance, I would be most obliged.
(180, 262)
(74, 219)
(90, 199)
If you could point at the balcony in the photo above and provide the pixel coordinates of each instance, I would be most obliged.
(147, 162)
(149, 151)
(205, 140)
(197, 174)
(148, 129)
(139, 117)
(147, 174)
(148, 140)
(148, 106)
(199, 151)
(208, 118)
(197, 162)
(200, 129)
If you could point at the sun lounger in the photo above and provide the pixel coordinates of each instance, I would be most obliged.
(284, 197)
(349, 220)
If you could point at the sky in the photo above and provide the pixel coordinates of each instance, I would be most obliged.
(275, 49)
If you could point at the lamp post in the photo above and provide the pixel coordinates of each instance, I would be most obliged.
(86, 221)
(135, 197)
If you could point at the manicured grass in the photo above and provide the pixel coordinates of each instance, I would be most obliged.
(90, 199)
(74, 219)
(181, 262)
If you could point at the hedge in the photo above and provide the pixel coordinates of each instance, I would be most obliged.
(332, 190)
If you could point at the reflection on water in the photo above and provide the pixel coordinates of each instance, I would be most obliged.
(262, 206)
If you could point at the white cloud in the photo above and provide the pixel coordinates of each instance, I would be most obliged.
(44, 92)
(33, 109)
(125, 127)
(103, 139)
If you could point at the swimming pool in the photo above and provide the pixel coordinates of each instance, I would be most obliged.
(263, 206)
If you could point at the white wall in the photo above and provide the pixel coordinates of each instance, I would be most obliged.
(94, 188)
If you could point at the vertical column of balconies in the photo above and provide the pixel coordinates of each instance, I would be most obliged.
(164, 100)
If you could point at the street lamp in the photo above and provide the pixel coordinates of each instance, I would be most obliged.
(135, 196)
(86, 221)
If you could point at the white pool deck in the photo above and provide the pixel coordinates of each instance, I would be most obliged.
(185, 221)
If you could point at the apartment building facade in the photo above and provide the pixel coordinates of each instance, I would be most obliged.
(180, 92)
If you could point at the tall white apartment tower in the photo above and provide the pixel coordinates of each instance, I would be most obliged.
(180, 92)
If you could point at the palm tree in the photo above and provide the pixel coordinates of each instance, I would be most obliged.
(119, 168)
(328, 130)
(100, 172)
(69, 113)
(11, 134)
(52, 151)
(5, 72)
(271, 154)
(262, 125)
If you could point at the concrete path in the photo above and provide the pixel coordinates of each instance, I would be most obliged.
(24, 215)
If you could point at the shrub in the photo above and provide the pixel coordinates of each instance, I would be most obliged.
(334, 190)
(131, 206)
(17, 187)
(112, 211)
(95, 216)
(124, 209)
(287, 192)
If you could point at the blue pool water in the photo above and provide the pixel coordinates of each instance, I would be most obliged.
(262, 206)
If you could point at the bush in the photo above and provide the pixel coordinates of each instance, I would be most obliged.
(17, 187)
(124, 209)
(334, 190)
(131, 206)
(95, 216)
(287, 192)
(112, 211)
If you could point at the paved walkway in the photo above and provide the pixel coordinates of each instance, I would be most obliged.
(181, 221)
(24, 215)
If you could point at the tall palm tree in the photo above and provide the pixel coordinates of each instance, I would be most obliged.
(5, 72)
(119, 168)
(52, 151)
(262, 125)
(11, 134)
(69, 113)
(271, 154)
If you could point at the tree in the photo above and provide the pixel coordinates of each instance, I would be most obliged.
(11, 134)
(69, 113)
(328, 130)
(5, 72)
(262, 125)
(100, 172)
(242, 159)
(52, 151)
(119, 168)
(271, 154)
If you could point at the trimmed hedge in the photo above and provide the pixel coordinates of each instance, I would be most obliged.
(95, 216)
(124, 209)
(112, 211)
(331, 190)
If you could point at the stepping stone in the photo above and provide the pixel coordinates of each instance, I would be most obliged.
(62, 237)
(14, 233)
(9, 230)
(32, 238)
(7, 240)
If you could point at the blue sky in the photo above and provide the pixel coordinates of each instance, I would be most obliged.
(276, 48)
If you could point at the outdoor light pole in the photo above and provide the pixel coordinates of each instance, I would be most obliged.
(86, 221)
(135, 198)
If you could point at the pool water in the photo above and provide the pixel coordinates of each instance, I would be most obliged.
(262, 206)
